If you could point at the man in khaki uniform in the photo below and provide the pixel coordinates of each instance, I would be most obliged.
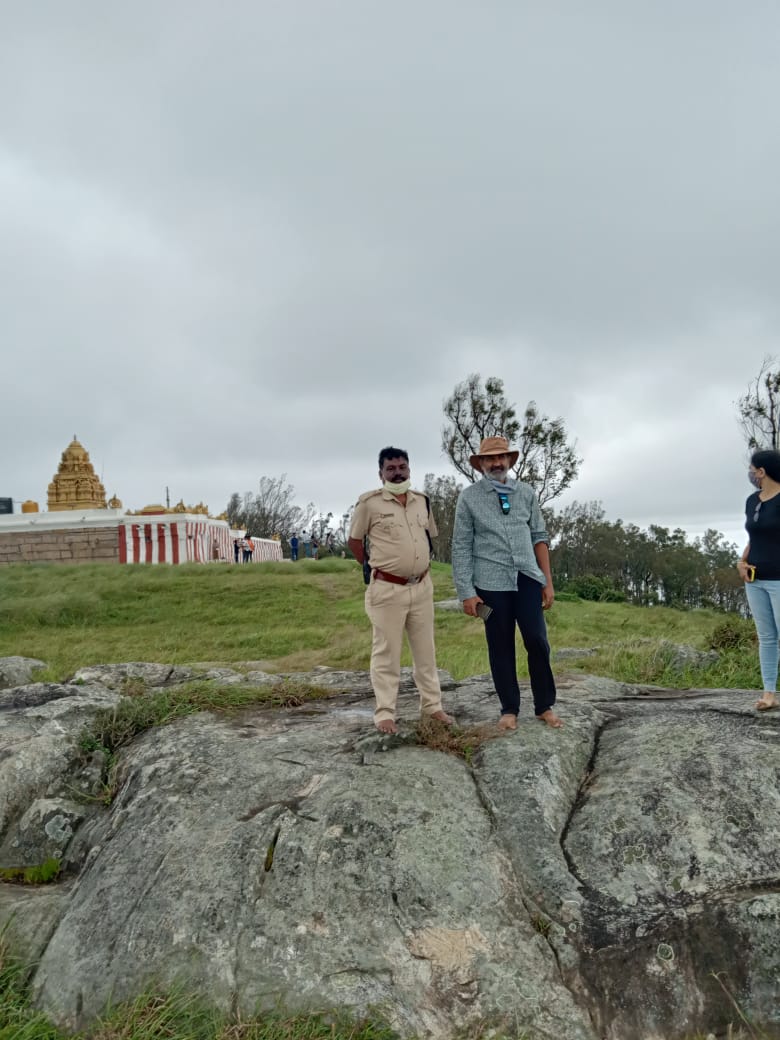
(397, 522)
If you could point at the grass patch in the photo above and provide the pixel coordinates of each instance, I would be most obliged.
(175, 1016)
(116, 727)
(43, 874)
(454, 740)
(645, 661)
(541, 924)
(112, 729)
(17, 1019)
(293, 617)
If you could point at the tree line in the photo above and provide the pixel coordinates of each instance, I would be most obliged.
(599, 559)
(608, 560)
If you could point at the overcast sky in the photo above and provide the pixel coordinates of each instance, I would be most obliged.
(250, 238)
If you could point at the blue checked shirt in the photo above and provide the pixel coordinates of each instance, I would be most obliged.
(489, 548)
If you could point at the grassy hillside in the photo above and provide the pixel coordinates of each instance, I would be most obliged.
(291, 617)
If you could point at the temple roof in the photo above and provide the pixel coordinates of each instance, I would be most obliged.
(75, 484)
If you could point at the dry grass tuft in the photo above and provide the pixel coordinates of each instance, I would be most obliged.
(454, 740)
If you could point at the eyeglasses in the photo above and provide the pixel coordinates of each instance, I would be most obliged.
(505, 503)
(758, 510)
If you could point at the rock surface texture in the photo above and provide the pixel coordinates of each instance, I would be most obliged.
(584, 883)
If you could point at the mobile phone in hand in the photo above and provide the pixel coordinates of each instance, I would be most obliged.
(483, 611)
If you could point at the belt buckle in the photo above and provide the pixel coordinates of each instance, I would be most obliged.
(412, 581)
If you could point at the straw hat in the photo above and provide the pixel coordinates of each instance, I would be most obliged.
(493, 446)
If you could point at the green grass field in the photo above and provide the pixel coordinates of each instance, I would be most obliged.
(290, 617)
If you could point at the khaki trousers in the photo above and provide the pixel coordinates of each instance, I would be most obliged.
(393, 609)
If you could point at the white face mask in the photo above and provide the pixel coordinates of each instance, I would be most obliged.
(397, 489)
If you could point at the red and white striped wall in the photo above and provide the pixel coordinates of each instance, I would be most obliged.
(184, 539)
(266, 550)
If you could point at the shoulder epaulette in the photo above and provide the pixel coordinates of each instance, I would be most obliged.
(369, 494)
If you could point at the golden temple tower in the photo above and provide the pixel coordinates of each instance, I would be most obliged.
(75, 484)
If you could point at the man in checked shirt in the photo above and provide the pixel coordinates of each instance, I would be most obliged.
(500, 557)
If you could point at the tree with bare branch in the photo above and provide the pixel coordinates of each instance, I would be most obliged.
(759, 409)
(272, 510)
(547, 461)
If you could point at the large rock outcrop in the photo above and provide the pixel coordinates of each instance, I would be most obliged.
(577, 884)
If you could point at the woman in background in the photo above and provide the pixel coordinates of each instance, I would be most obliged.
(759, 567)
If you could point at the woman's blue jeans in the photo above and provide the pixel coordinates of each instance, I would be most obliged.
(764, 601)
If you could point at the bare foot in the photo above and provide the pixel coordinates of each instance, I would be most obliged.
(550, 718)
(442, 716)
(387, 726)
(767, 701)
(507, 722)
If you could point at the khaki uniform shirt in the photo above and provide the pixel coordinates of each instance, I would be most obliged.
(397, 535)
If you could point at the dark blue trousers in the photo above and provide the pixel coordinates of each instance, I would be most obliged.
(524, 609)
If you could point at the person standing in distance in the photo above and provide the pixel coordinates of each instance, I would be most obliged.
(500, 557)
(399, 597)
(759, 567)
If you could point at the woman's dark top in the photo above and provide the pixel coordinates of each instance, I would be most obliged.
(763, 528)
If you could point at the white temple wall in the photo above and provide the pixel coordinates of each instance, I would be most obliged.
(109, 536)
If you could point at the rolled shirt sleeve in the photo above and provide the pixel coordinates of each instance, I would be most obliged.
(536, 523)
(359, 526)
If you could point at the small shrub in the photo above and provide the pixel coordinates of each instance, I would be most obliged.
(593, 587)
(541, 924)
(89, 744)
(733, 633)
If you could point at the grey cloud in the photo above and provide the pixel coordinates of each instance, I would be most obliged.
(270, 238)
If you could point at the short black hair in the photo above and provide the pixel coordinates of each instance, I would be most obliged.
(769, 460)
(391, 453)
